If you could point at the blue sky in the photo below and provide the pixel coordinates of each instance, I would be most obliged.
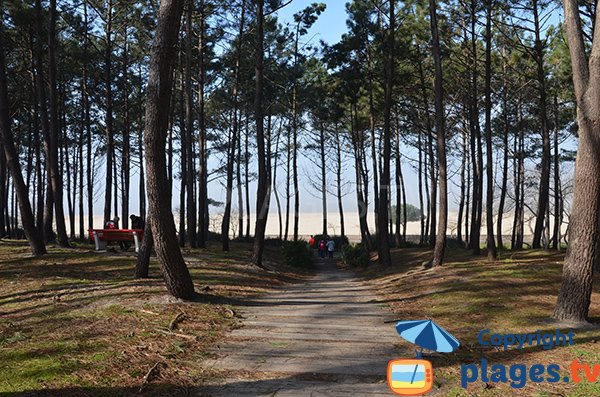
(330, 25)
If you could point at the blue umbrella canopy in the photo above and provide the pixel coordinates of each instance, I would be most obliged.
(427, 335)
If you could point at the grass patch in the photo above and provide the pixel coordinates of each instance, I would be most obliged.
(516, 294)
(74, 322)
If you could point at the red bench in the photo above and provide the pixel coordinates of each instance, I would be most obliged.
(101, 237)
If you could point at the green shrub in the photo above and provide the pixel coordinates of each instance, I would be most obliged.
(297, 253)
(355, 255)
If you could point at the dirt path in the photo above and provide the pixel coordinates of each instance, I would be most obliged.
(325, 337)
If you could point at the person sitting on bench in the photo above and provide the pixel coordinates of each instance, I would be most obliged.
(113, 224)
(137, 223)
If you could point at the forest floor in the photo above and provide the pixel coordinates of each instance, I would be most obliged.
(516, 294)
(75, 323)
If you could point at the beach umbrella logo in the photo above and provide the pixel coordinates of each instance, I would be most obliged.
(412, 377)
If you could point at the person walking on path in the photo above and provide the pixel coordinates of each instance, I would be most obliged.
(322, 248)
(330, 247)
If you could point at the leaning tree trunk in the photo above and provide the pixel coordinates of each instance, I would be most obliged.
(440, 240)
(142, 265)
(576, 288)
(33, 235)
(177, 277)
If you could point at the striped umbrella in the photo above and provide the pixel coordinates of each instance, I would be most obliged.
(427, 335)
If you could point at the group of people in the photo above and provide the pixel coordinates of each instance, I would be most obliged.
(137, 223)
(326, 246)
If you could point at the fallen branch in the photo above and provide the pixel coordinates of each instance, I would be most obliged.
(149, 312)
(153, 371)
(170, 333)
(179, 318)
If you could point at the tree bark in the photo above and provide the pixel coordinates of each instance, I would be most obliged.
(56, 176)
(323, 178)
(339, 184)
(505, 132)
(232, 149)
(126, 150)
(475, 142)
(189, 127)
(575, 292)
(557, 190)
(110, 145)
(36, 241)
(489, 210)
(142, 265)
(262, 199)
(385, 258)
(202, 154)
(544, 190)
(177, 277)
(440, 241)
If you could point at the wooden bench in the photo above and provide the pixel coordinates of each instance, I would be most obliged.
(101, 237)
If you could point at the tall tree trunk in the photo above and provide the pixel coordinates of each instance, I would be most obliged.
(489, 207)
(323, 177)
(576, 288)
(288, 194)
(262, 199)
(475, 142)
(295, 139)
(183, 152)
(557, 190)
(385, 258)
(544, 191)
(36, 241)
(177, 277)
(189, 123)
(239, 184)
(202, 154)
(126, 150)
(110, 145)
(87, 121)
(399, 183)
(275, 192)
(420, 173)
(339, 184)
(81, 172)
(43, 110)
(505, 132)
(232, 149)
(142, 185)
(56, 176)
(440, 241)
(461, 204)
(431, 199)
(247, 174)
